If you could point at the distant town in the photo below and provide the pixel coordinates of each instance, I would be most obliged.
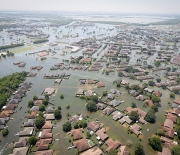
(88, 85)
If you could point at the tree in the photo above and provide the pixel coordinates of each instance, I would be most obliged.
(168, 69)
(93, 98)
(59, 107)
(157, 63)
(32, 140)
(41, 107)
(175, 150)
(158, 80)
(45, 102)
(155, 99)
(82, 123)
(46, 97)
(105, 93)
(134, 116)
(76, 125)
(120, 74)
(151, 83)
(35, 97)
(118, 85)
(178, 121)
(61, 96)
(155, 143)
(150, 116)
(67, 126)
(172, 95)
(57, 114)
(133, 105)
(91, 106)
(30, 103)
(39, 122)
(135, 87)
(138, 149)
(155, 108)
(5, 132)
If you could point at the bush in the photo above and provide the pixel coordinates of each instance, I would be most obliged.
(88, 135)
(160, 132)
(59, 107)
(105, 93)
(5, 132)
(61, 96)
(133, 105)
(67, 106)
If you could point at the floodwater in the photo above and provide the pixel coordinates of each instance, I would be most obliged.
(69, 88)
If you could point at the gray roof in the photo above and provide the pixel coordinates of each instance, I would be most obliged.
(114, 103)
(35, 108)
(29, 123)
(13, 101)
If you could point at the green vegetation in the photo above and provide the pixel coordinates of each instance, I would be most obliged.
(67, 106)
(57, 114)
(133, 105)
(172, 95)
(113, 152)
(35, 97)
(30, 103)
(39, 122)
(150, 117)
(38, 41)
(134, 116)
(151, 83)
(105, 93)
(5, 132)
(32, 140)
(175, 150)
(67, 126)
(80, 124)
(155, 143)
(42, 107)
(45, 102)
(138, 149)
(9, 84)
(10, 46)
(91, 106)
(161, 132)
(61, 96)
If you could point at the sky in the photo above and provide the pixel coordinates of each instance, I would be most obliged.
(122, 6)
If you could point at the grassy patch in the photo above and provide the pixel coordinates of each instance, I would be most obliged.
(23, 49)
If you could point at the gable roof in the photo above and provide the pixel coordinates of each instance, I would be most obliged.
(101, 133)
(93, 126)
(77, 133)
(82, 144)
(112, 144)
(47, 125)
(46, 133)
(26, 132)
(43, 144)
(20, 151)
(21, 143)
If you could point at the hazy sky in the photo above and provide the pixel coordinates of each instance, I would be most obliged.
(130, 6)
